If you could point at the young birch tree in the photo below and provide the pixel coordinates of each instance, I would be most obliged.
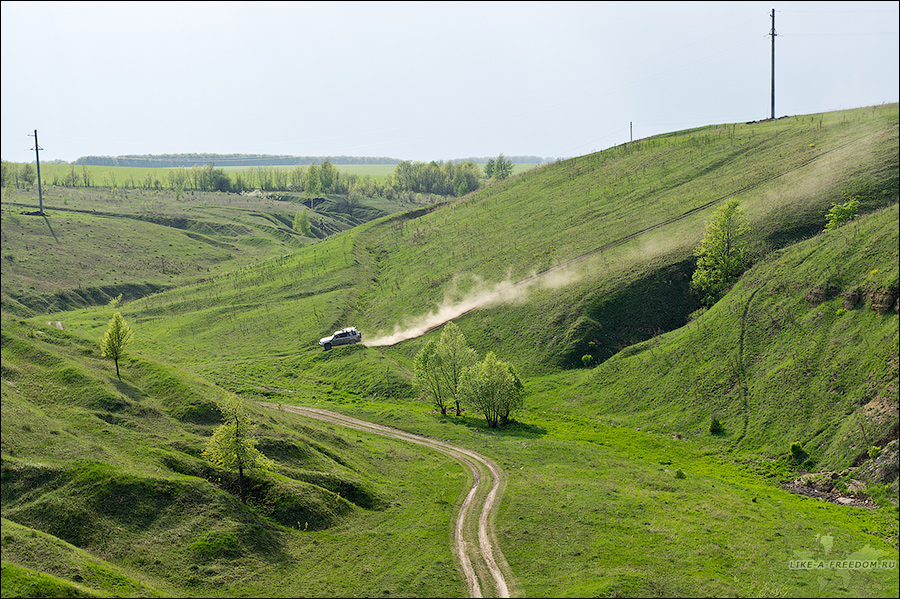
(722, 254)
(113, 342)
(233, 445)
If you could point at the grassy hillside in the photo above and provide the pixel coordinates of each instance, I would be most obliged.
(94, 244)
(617, 229)
(615, 484)
(803, 349)
(110, 475)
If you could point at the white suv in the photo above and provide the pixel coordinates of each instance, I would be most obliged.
(342, 337)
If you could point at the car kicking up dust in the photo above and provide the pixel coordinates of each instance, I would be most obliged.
(504, 292)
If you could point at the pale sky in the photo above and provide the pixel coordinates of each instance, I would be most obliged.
(422, 80)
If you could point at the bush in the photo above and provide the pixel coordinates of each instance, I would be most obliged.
(798, 453)
(680, 473)
(874, 451)
(586, 359)
(842, 213)
(715, 427)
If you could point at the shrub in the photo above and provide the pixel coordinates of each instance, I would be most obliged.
(798, 453)
(680, 473)
(586, 359)
(841, 213)
(716, 427)
(874, 451)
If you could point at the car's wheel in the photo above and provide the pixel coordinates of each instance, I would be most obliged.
(327, 346)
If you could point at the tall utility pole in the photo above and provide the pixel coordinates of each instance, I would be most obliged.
(773, 34)
(37, 158)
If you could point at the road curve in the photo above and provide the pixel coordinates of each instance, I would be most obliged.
(475, 554)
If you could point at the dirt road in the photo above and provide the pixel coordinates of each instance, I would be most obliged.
(481, 561)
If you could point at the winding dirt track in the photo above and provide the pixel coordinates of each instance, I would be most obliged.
(478, 557)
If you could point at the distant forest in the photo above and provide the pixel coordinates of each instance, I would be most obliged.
(223, 160)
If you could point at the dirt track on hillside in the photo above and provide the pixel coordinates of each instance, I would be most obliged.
(481, 561)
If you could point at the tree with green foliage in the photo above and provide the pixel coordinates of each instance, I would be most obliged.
(503, 168)
(842, 213)
(313, 182)
(233, 445)
(722, 254)
(27, 174)
(427, 376)
(301, 223)
(328, 176)
(493, 387)
(438, 367)
(113, 342)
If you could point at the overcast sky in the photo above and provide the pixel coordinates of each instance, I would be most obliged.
(422, 80)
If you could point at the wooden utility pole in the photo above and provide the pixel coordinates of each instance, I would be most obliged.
(37, 158)
(773, 34)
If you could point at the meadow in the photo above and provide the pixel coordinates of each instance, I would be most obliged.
(615, 484)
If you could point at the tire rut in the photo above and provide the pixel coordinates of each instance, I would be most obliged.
(475, 555)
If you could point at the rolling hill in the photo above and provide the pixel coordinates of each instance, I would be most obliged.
(616, 484)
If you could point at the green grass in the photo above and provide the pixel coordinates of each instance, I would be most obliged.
(594, 504)
(94, 244)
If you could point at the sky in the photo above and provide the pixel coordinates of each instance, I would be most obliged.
(422, 81)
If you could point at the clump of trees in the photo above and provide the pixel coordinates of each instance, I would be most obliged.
(722, 254)
(493, 388)
(448, 372)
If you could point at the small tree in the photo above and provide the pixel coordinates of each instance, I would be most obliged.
(427, 376)
(301, 223)
(113, 342)
(233, 446)
(503, 167)
(439, 366)
(489, 168)
(842, 213)
(722, 254)
(494, 389)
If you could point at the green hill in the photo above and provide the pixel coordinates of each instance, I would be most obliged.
(616, 485)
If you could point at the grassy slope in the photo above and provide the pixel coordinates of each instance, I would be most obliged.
(581, 214)
(97, 243)
(113, 470)
(773, 367)
(625, 517)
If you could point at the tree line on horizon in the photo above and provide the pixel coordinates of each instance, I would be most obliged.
(190, 160)
(432, 178)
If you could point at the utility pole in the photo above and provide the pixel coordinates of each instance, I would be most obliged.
(37, 157)
(773, 34)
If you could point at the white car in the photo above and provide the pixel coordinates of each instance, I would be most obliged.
(343, 337)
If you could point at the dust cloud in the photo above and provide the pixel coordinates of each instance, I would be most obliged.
(481, 295)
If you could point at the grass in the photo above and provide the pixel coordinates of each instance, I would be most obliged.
(594, 504)
(97, 243)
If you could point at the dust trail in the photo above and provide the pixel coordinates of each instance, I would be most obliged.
(504, 292)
